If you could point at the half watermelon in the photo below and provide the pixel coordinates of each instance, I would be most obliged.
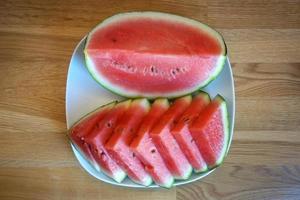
(211, 132)
(81, 129)
(99, 136)
(145, 149)
(153, 54)
(165, 142)
(118, 145)
(183, 136)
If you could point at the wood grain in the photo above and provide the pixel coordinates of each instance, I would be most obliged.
(36, 41)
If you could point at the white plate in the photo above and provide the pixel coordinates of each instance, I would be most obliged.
(83, 95)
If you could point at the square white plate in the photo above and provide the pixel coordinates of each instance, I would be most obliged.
(84, 94)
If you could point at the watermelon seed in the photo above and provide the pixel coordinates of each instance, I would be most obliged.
(183, 69)
(186, 119)
(177, 69)
(131, 68)
(192, 140)
(103, 156)
(133, 155)
(153, 151)
(108, 124)
(152, 69)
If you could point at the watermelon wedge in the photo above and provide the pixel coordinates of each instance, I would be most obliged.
(145, 149)
(165, 142)
(183, 136)
(81, 129)
(118, 145)
(98, 137)
(152, 54)
(211, 132)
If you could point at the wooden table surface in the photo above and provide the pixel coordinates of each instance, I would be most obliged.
(36, 42)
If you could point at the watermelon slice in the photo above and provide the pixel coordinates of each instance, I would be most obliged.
(118, 145)
(154, 54)
(98, 137)
(81, 129)
(145, 149)
(183, 136)
(211, 132)
(165, 142)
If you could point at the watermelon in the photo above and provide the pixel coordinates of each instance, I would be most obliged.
(99, 136)
(211, 132)
(81, 129)
(152, 54)
(165, 142)
(183, 136)
(118, 144)
(145, 149)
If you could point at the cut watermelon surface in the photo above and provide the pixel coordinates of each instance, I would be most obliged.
(98, 137)
(183, 136)
(165, 142)
(162, 142)
(118, 145)
(145, 149)
(80, 130)
(211, 132)
(153, 54)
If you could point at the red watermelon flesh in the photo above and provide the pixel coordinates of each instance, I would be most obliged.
(98, 137)
(80, 130)
(118, 145)
(145, 149)
(211, 132)
(165, 142)
(154, 54)
(183, 136)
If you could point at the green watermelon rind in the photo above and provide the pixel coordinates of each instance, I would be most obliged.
(218, 69)
(204, 169)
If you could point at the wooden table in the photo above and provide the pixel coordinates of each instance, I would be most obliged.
(36, 41)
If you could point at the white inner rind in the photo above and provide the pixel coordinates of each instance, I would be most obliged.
(127, 92)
